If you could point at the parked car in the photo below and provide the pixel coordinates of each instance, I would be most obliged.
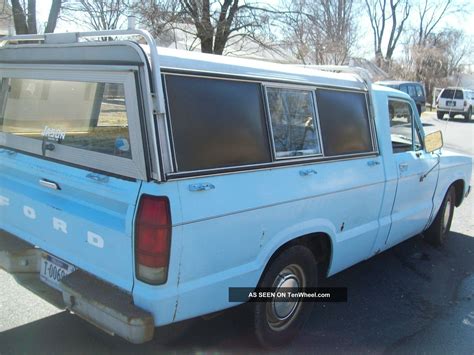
(414, 89)
(455, 101)
(139, 184)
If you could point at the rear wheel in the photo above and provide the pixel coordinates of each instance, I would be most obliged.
(277, 323)
(468, 115)
(440, 115)
(438, 232)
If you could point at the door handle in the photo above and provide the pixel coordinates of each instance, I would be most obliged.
(8, 152)
(98, 177)
(373, 163)
(403, 166)
(49, 184)
(205, 186)
(306, 172)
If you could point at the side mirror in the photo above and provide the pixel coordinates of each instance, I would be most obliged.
(433, 141)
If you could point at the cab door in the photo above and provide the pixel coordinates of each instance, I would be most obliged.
(417, 173)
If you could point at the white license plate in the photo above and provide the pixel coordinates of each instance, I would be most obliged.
(450, 103)
(54, 269)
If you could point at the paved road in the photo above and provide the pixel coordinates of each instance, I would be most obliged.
(458, 134)
(411, 298)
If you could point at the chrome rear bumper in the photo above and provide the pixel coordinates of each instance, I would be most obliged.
(100, 303)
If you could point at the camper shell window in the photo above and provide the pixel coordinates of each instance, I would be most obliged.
(84, 115)
(88, 116)
(293, 119)
(216, 123)
(220, 124)
(345, 123)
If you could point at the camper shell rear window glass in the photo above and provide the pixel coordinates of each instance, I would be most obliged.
(85, 115)
(452, 94)
(216, 123)
(344, 120)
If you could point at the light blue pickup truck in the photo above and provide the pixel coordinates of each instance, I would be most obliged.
(139, 184)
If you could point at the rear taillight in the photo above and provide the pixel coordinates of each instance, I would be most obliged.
(153, 239)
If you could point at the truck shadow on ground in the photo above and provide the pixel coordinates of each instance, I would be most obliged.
(391, 296)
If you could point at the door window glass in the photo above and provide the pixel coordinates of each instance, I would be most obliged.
(403, 134)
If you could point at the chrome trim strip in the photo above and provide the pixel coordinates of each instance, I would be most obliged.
(170, 126)
(266, 166)
(259, 79)
(63, 67)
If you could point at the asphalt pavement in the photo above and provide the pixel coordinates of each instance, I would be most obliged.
(413, 298)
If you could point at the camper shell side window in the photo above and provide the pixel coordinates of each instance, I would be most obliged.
(219, 124)
(294, 125)
(216, 123)
(345, 123)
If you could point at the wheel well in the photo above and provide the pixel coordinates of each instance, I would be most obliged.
(318, 243)
(459, 188)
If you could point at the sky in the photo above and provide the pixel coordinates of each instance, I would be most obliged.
(365, 44)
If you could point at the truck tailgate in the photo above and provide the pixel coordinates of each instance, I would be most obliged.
(86, 220)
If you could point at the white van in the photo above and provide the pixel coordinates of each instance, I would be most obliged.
(455, 101)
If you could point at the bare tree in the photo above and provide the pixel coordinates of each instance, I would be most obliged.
(301, 35)
(24, 16)
(213, 24)
(387, 18)
(320, 32)
(435, 61)
(159, 17)
(430, 13)
(97, 14)
(6, 17)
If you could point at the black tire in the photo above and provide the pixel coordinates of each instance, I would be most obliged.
(275, 325)
(440, 115)
(438, 232)
(468, 114)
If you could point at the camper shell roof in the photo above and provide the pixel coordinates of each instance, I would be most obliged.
(131, 53)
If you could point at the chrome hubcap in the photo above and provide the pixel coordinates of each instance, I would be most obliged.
(281, 313)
